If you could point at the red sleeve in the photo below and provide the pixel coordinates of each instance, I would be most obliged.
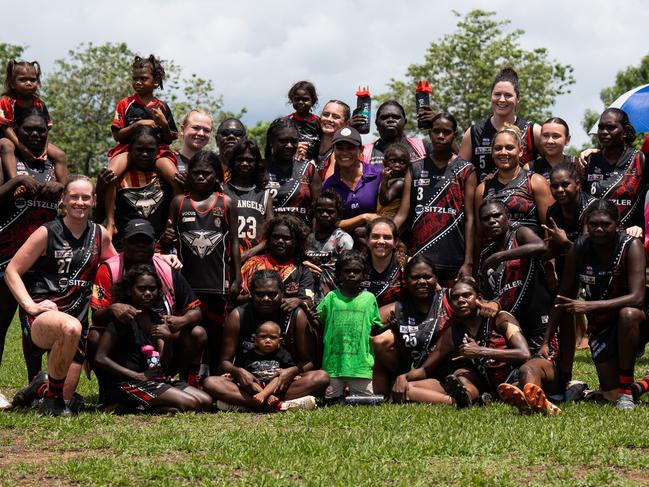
(251, 266)
(120, 113)
(102, 296)
(6, 111)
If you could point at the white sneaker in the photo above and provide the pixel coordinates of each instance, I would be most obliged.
(305, 402)
(226, 406)
(624, 402)
(4, 403)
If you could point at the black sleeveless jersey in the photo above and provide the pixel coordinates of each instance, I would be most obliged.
(251, 212)
(20, 217)
(204, 245)
(602, 280)
(291, 189)
(66, 272)
(150, 201)
(622, 183)
(482, 134)
(248, 322)
(387, 286)
(418, 332)
(437, 209)
(541, 166)
(517, 194)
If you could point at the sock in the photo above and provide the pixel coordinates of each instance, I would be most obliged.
(55, 387)
(640, 387)
(626, 380)
(193, 377)
(42, 389)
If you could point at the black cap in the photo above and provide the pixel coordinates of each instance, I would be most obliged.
(139, 226)
(347, 134)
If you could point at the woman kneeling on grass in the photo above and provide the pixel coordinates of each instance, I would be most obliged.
(134, 355)
(473, 355)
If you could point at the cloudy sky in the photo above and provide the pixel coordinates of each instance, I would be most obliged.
(254, 50)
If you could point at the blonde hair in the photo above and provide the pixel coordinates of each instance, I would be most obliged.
(200, 111)
(511, 129)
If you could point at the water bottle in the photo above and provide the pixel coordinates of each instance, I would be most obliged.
(422, 99)
(364, 400)
(152, 356)
(363, 107)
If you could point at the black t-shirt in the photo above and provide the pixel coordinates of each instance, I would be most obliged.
(265, 367)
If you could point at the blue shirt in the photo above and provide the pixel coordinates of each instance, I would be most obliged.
(363, 198)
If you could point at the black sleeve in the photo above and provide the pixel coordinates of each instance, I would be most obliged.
(284, 358)
(170, 118)
(306, 284)
(185, 296)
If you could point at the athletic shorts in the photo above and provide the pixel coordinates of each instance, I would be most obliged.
(26, 322)
(139, 394)
(603, 344)
(357, 387)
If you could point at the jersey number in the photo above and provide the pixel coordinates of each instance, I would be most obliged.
(420, 193)
(481, 162)
(273, 193)
(410, 340)
(251, 223)
(64, 265)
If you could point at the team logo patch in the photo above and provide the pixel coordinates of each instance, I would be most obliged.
(202, 242)
(145, 202)
(218, 211)
(292, 288)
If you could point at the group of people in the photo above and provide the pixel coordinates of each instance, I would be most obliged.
(408, 269)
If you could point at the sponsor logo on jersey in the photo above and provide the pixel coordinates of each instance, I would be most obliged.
(253, 205)
(186, 219)
(64, 282)
(22, 203)
(202, 242)
(587, 279)
(511, 285)
(63, 253)
(218, 211)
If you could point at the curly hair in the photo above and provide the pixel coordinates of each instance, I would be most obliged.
(212, 160)
(122, 289)
(144, 130)
(399, 246)
(348, 256)
(266, 275)
(298, 230)
(329, 195)
(153, 63)
(306, 86)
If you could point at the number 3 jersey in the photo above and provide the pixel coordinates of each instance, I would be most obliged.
(204, 245)
(66, 272)
(251, 212)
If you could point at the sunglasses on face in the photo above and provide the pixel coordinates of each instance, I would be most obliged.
(228, 132)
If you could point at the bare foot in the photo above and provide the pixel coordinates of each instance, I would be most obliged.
(259, 398)
(272, 400)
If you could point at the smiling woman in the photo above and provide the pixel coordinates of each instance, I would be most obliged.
(196, 129)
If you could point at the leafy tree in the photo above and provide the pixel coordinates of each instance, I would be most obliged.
(461, 67)
(625, 80)
(258, 134)
(7, 52)
(84, 88)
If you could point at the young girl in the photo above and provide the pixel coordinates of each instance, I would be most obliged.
(143, 108)
(21, 94)
(396, 159)
(202, 220)
(347, 316)
(617, 171)
(247, 186)
(134, 381)
(303, 97)
(326, 243)
(555, 136)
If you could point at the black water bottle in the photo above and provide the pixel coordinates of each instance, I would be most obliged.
(422, 99)
(363, 107)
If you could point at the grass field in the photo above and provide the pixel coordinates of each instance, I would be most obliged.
(391, 444)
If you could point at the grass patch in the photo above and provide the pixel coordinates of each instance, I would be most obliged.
(392, 444)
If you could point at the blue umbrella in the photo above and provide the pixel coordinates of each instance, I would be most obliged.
(635, 103)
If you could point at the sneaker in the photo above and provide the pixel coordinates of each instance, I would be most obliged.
(457, 391)
(512, 395)
(575, 391)
(485, 399)
(4, 404)
(54, 406)
(26, 396)
(537, 401)
(226, 406)
(76, 404)
(305, 402)
(624, 402)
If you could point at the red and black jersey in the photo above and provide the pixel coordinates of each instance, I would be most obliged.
(437, 211)
(204, 244)
(251, 212)
(309, 131)
(130, 110)
(623, 183)
(518, 195)
(297, 279)
(519, 287)
(66, 272)
(387, 286)
(142, 195)
(541, 166)
(21, 217)
(290, 187)
(602, 280)
(482, 135)
(11, 108)
(417, 332)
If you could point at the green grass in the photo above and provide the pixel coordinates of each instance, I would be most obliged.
(391, 444)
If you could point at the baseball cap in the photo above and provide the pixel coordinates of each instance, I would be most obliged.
(139, 226)
(347, 134)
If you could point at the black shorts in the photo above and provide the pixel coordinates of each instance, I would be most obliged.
(603, 344)
(139, 394)
(26, 322)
